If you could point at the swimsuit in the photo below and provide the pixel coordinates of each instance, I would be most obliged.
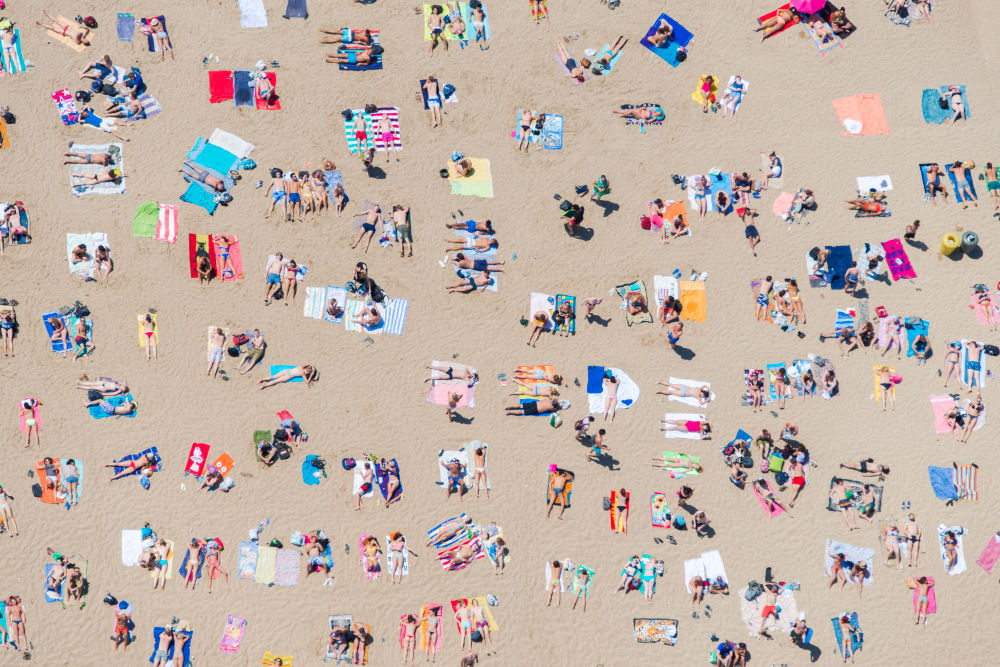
(403, 233)
(844, 504)
(768, 610)
(278, 195)
(273, 279)
(531, 408)
(480, 264)
(692, 426)
(751, 233)
(294, 197)
(388, 138)
(433, 102)
(215, 354)
(671, 338)
(798, 481)
(202, 176)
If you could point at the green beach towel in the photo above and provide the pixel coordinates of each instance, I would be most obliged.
(145, 219)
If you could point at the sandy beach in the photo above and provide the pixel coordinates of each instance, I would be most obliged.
(368, 398)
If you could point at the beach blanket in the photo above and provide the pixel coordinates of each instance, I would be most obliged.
(253, 14)
(898, 261)
(18, 55)
(232, 636)
(751, 612)
(861, 114)
(664, 286)
(131, 547)
(157, 631)
(296, 9)
(857, 636)
(234, 270)
(963, 366)
(693, 306)
(246, 564)
(668, 52)
(576, 82)
(852, 554)
(267, 564)
(933, 113)
(202, 245)
(627, 394)
(152, 44)
(220, 86)
(106, 188)
(866, 183)
(773, 13)
(931, 607)
(477, 183)
(644, 316)
(653, 630)
(133, 457)
(959, 532)
(144, 220)
(695, 385)
(270, 103)
(838, 262)
(964, 479)
(126, 27)
(287, 567)
(693, 567)
(831, 43)
(991, 552)
(772, 510)
(856, 488)
(682, 416)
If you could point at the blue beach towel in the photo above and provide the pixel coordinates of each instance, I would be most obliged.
(242, 89)
(839, 261)
(720, 183)
(740, 435)
(943, 482)
(394, 316)
(311, 475)
(668, 52)
(770, 385)
(923, 175)
(606, 51)
(912, 332)
(933, 113)
(467, 17)
(296, 9)
(170, 652)
(97, 413)
(210, 156)
(276, 368)
(196, 195)
(595, 379)
(333, 178)
(57, 346)
(383, 484)
(844, 320)
(552, 132)
(53, 594)
(376, 62)
(857, 639)
(133, 457)
(126, 27)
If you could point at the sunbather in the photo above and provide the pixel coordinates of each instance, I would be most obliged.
(649, 114)
(885, 380)
(770, 500)
(683, 461)
(450, 529)
(463, 166)
(462, 262)
(894, 333)
(77, 34)
(456, 26)
(972, 412)
(347, 36)
(697, 586)
(202, 176)
(143, 465)
(306, 372)
(436, 24)
(291, 281)
(105, 387)
(839, 495)
(934, 174)
(664, 34)
(122, 634)
(603, 62)
(776, 23)
(732, 97)
(88, 158)
(339, 642)
(213, 554)
(102, 67)
(433, 100)
(535, 390)
(703, 393)
(537, 407)
(162, 564)
(963, 188)
(159, 34)
(702, 428)
(578, 72)
(110, 176)
(364, 56)
(129, 108)
(954, 98)
(560, 478)
(630, 576)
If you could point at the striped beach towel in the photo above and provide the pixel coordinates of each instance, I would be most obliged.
(392, 113)
(166, 225)
(150, 105)
(845, 319)
(313, 306)
(394, 316)
(964, 477)
(338, 293)
(374, 137)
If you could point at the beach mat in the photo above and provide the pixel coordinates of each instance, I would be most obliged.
(253, 14)
(668, 52)
(865, 109)
(232, 635)
(126, 27)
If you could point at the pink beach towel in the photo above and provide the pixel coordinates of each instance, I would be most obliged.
(232, 636)
(931, 598)
(770, 512)
(882, 338)
(864, 108)
(235, 260)
(166, 226)
(941, 405)
(34, 415)
(990, 555)
(974, 305)
(440, 394)
(782, 203)
(898, 260)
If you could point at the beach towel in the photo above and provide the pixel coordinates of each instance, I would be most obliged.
(878, 389)
(470, 31)
(544, 303)
(565, 575)
(606, 51)
(314, 305)
(827, 46)
(442, 388)
(157, 631)
(131, 547)
(220, 85)
(566, 70)
(941, 406)
(772, 510)
(234, 271)
(682, 416)
(382, 480)
(698, 95)
(272, 659)
(856, 488)
(980, 316)
(152, 44)
(344, 621)
(57, 346)
(311, 475)
(125, 27)
(933, 113)
(619, 520)
(898, 261)
(628, 390)
(644, 316)
(296, 9)
(270, 103)
(668, 52)
(65, 38)
(375, 59)
(165, 223)
(478, 183)
(693, 567)
(852, 554)
(267, 563)
(253, 14)
(230, 143)
(224, 462)
(919, 328)
(695, 385)
(53, 594)
(693, 305)
(991, 552)
(964, 478)
(653, 630)
(751, 612)
(942, 482)
(242, 88)
(97, 413)
(664, 286)
(856, 637)
(18, 56)
(390, 557)
(197, 459)
(838, 262)
(923, 175)
(772, 370)
(715, 569)
(659, 509)
(219, 161)
(963, 366)
(773, 13)
(187, 569)
(447, 33)
(66, 106)
(844, 320)
(106, 188)
(931, 607)
(565, 498)
(865, 183)
(571, 300)
(85, 269)
(197, 195)
(423, 93)
(716, 183)
(864, 113)
(246, 564)
(782, 203)
(392, 113)
(145, 219)
(232, 636)
(960, 565)
(287, 567)
(359, 480)
(202, 245)
(133, 457)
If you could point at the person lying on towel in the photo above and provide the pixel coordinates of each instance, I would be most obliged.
(365, 56)
(538, 407)
(347, 36)
(126, 408)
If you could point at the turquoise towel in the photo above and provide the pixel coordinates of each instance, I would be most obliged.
(197, 196)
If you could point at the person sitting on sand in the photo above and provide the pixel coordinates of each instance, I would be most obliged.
(577, 72)
(347, 36)
(202, 176)
(306, 372)
(362, 57)
(78, 35)
(109, 176)
(144, 465)
(462, 262)
(475, 283)
(129, 108)
(702, 428)
(840, 24)
(703, 393)
(777, 23)
(542, 406)
(102, 67)
(255, 352)
(847, 340)
(664, 34)
(636, 303)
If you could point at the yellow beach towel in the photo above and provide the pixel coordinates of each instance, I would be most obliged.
(141, 319)
(698, 96)
(878, 385)
(267, 560)
(269, 659)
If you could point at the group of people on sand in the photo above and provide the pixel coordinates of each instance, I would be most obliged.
(302, 192)
(449, 16)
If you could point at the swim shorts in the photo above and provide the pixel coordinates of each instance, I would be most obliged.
(530, 408)
(403, 233)
(751, 232)
(388, 138)
(278, 195)
(273, 279)
(294, 198)
(434, 102)
(215, 354)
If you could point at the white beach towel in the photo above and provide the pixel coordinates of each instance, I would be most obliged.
(714, 567)
(231, 143)
(564, 575)
(664, 286)
(853, 554)
(693, 567)
(880, 183)
(359, 480)
(685, 417)
(693, 401)
(131, 547)
(960, 566)
(628, 393)
(542, 302)
(708, 194)
(253, 14)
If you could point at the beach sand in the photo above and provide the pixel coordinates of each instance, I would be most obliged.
(368, 398)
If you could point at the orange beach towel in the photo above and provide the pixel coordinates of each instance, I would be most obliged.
(864, 108)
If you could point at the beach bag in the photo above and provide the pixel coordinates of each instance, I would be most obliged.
(347, 114)
(275, 542)
(991, 350)
(606, 503)
(378, 296)
(284, 451)
(297, 538)
(110, 600)
(448, 90)
(370, 108)
(555, 421)
(476, 636)
(247, 163)
(240, 339)
(90, 22)
(781, 478)
(348, 463)
(754, 591)
(747, 462)
(777, 462)
(679, 523)
(943, 102)
(565, 205)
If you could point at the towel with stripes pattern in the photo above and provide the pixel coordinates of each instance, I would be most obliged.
(166, 225)
(371, 129)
